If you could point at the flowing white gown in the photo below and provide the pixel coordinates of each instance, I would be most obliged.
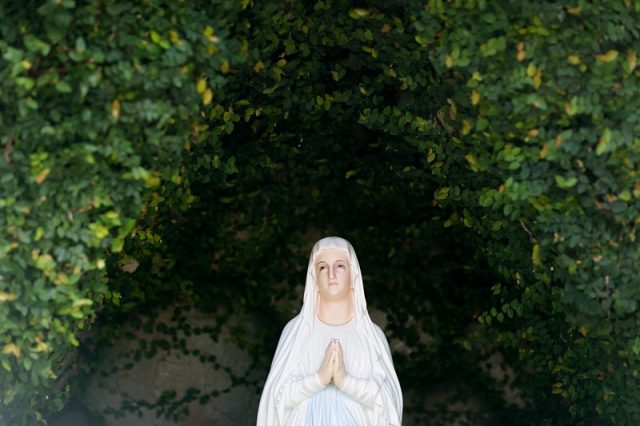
(332, 406)
(292, 394)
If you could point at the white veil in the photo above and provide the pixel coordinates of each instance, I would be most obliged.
(297, 333)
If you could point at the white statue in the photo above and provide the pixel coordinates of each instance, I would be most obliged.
(332, 366)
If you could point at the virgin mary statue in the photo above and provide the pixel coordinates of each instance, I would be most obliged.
(332, 366)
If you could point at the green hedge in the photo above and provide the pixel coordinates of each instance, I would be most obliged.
(550, 123)
(326, 130)
(98, 101)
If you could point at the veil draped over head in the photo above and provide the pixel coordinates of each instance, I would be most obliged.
(298, 333)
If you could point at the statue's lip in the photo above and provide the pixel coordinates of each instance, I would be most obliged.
(332, 283)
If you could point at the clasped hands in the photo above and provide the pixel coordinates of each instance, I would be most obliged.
(332, 367)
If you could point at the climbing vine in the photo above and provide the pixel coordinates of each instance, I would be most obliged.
(481, 157)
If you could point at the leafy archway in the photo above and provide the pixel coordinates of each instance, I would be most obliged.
(480, 157)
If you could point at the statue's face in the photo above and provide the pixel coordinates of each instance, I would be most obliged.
(333, 274)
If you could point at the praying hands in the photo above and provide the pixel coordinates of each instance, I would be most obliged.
(332, 368)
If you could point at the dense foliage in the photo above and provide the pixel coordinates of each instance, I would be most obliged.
(275, 176)
(550, 104)
(98, 99)
(479, 156)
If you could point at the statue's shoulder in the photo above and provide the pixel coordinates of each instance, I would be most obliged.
(380, 334)
(377, 329)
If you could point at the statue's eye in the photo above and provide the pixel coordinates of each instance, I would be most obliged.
(322, 268)
(341, 266)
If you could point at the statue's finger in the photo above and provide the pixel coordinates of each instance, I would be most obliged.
(329, 349)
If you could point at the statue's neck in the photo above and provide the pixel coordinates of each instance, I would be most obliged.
(335, 312)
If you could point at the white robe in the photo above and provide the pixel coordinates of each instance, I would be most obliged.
(305, 398)
(371, 395)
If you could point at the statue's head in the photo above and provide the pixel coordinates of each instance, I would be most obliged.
(332, 269)
(333, 275)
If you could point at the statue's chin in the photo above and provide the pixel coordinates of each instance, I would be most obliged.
(334, 294)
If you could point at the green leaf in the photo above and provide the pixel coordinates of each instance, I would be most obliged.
(535, 255)
(25, 82)
(36, 45)
(441, 193)
(80, 45)
(57, 24)
(63, 87)
(604, 142)
(565, 183)
(358, 13)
